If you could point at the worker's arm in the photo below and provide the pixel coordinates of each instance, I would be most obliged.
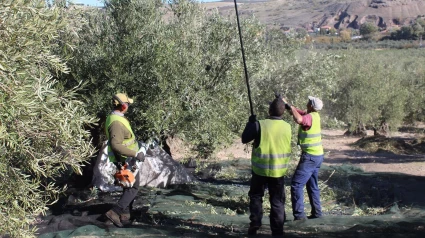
(300, 117)
(118, 133)
(250, 132)
(297, 114)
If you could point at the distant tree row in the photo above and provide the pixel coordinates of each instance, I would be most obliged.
(369, 31)
(413, 32)
(380, 87)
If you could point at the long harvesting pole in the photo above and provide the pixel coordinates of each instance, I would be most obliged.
(243, 58)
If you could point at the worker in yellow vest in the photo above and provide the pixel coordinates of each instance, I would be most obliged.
(122, 144)
(270, 158)
(306, 173)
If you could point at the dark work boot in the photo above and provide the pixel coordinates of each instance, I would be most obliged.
(114, 217)
(300, 219)
(252, 230)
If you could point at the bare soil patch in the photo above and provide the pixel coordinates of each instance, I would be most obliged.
(395, 154)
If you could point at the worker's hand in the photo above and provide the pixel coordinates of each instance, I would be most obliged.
(140, 156)
(253, 118)
(287, 106)
(150, 152)
(119, 165)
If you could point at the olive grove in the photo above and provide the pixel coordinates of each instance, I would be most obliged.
(184, 67)
(379, 87)
(60, 66)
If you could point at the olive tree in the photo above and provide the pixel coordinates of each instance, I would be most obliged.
(182, 65)
(410, 63)
(371, 91)
(297, 73)
(41, 126)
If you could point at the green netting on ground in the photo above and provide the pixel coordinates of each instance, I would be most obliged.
(356, 204)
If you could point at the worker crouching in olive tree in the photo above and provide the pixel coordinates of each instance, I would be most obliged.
(123, 150)
(270, 157)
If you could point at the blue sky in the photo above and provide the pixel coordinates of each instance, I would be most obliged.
(89, 2)
(100, 2)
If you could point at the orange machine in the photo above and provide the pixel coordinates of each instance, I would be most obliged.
(126, 176)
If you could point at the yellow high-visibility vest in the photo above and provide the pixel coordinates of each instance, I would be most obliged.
(311, 141)
(130, 143)
(271, 157)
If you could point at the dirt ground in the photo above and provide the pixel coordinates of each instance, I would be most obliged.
(340, 151)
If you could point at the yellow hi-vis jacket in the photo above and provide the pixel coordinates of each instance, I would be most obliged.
(271, 157)
(130, 143)
(310, 141)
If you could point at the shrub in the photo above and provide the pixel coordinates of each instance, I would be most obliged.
(345, 35)
(368, 29)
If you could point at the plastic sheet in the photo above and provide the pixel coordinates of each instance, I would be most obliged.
(158, 170)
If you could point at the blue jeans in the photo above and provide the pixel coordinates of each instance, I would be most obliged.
(306, 174)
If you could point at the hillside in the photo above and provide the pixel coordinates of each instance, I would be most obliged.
(337, 14)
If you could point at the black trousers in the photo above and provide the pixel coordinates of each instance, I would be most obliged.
(126, 200)
(276, 188)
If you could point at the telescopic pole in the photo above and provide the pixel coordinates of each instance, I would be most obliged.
(243, 58)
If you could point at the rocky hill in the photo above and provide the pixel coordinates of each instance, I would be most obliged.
(337, 14)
